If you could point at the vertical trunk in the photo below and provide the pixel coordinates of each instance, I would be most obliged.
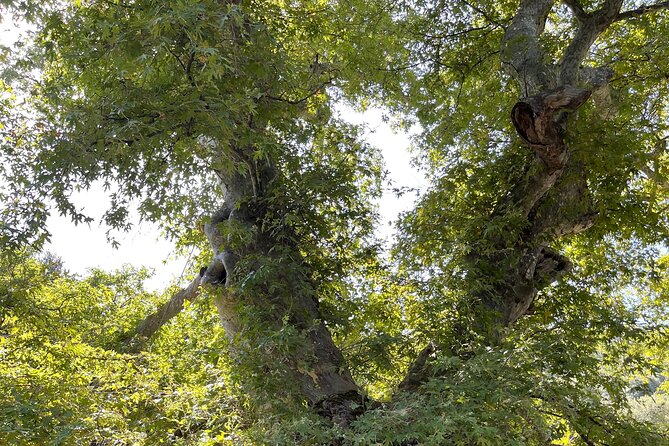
(506, 273)
(284, 297)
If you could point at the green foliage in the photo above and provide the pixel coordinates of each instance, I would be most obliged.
(64, 381)
(153, 100)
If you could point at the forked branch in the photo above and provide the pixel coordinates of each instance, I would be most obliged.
(592, 25)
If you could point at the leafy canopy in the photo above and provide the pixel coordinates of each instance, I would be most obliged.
(151, 101)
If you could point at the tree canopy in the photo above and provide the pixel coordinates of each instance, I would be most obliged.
(524, 301)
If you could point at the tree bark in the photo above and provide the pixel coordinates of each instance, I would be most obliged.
(318, 367)
(549, 95)
(540, 118)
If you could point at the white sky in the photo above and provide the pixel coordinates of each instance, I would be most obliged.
(83, 247)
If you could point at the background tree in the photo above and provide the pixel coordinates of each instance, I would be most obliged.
(526, 288)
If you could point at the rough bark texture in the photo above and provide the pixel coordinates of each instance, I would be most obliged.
(541, 118)
(553, 184)
(327, 384)
(590, 27)
(522, 56)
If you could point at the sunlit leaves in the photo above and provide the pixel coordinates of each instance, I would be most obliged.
(64, 379)
(151, 100)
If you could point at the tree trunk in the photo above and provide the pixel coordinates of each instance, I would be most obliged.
(524, 262)
(287, 297)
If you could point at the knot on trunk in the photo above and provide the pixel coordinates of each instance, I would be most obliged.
(215, 273)
(550, 266)
(342, 408)
(539, 120)
(540, 267)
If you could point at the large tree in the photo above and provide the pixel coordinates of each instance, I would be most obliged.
(523, 293)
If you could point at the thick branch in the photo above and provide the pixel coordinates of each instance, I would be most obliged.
(522, 55)
(153, 322)
(654, 173)
(526, 194)
(528, 265)
(525, 265)
(608, 13)
(591, 26)
(567, 209)
(418, 370)
(642, 10)
(535, 120)
(558, 222)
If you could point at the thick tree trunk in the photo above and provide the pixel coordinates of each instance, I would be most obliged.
(524, 263)
(317, 366)
(540, 118)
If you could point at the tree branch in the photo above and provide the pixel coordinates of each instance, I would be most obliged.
(577, 10)
(534, 119)
(419, 369)
(592, 25)
(135, 340)
(483, 13)
(642, 10)
(301, 100)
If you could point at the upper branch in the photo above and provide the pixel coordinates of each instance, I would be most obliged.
(522, 55)
(642, 10)
(481, 11)
(577, 10)
(591, 26)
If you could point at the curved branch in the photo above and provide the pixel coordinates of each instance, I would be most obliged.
(419, 369)
(642, 10)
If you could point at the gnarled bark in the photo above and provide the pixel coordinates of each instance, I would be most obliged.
(550, 92)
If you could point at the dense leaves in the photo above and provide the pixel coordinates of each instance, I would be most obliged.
(522, 302)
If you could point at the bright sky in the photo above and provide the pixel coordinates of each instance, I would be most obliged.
(83, 247)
